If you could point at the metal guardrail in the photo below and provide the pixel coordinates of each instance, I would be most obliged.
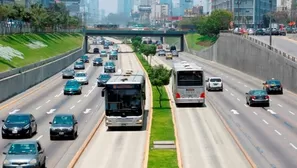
(261, 43)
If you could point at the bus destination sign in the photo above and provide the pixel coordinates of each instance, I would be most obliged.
(126, 86)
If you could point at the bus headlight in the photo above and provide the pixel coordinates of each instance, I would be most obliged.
(139, 121)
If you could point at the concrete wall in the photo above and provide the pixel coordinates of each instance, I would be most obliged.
(249, 57)
(21, 81)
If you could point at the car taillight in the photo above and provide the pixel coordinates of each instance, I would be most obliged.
(267, 97)
(202, 95)
(253, 97)
(177, 95)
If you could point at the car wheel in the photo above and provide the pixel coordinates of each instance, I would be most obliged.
(267, 105)
(87, 83)
(79, 92)
(35, 129)
(44, 163)
(52, 138)
(30, 135)
(63, 77)
(73, 136)
(4, 136)
(281, 92)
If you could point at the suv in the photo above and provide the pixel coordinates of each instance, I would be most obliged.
(214, 83)
(273, 86)
(109, 67)
(64, 125)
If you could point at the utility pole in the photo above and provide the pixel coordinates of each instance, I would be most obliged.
(238, 3)
(270, 26)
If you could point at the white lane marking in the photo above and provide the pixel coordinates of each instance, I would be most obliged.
(277, 132)
(293, 146)
(231, 94)
(48, 101)
(90, 91)
(255, 113)
(270, 99)
(238, 82)
(58, 95)
(245, 105)
(87, 68)
(51, 111)
(245, 85)
(72, 107)
(291, 112)
(226, 90)
(234, 111)
(78, 101)
(97, 105)
(38, 107)
(271, 111)
(39, 137)
(87, 111)
(280, 105)
(227, 76)
(238, 99)
(251, 88)
(265, 122)
(14, 111)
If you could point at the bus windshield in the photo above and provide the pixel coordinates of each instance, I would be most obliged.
(190, 78)
(124, 100)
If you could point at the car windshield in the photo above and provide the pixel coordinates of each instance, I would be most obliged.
(80, 75)
(21, 119)
(259, 92)
(84, 57)
(103, 52)
(98, 59)
(104, 76)
(79, 63)
(22, 149)
(71, 83)
(109, 64)
(68, 71)
(273, 82)
(63, 120)
(123, 98)
(215, 80)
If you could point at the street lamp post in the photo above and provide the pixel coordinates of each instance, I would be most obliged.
(238, 3)
(270, 26)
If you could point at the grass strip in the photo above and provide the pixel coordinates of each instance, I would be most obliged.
(161, 129)
(197, 42)
(57, 43)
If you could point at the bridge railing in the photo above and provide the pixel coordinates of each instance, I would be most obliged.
(261, 43)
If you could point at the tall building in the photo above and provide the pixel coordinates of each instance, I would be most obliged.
(247, 12)
(284, 5)
(185, 5)
(125, 7)
(170, 5)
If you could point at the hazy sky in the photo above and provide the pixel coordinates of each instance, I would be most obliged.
(110, 6)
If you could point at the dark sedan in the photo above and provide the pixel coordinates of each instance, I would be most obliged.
(257, 97)
(106, 46)
(273, 86)
(22, 125)
(84, 59)
(68, 73)
(102, 79)
(63, 126)
(98, 62)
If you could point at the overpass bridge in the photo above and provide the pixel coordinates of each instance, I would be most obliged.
(133, 33)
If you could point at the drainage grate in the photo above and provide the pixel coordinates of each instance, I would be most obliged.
(164, 145)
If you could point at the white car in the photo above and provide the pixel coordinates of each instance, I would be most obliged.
(214, 83)
(82, 78)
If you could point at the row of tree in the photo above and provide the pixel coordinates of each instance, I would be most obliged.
(159, 75)
(38, 17)
(212, 24)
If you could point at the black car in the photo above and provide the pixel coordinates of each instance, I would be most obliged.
(98, 61)
(64, 126)
(273, 86)
(96, 50)
(260, 32)
(106, 46)
(68, 73)
(257, 97)
(21, 125)
(172, 48)
(102, 79)
(84, 59)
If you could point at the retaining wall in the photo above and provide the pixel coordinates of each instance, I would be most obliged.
(249, 57)
(26, 77)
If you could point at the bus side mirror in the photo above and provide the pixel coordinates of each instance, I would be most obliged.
(102, 93)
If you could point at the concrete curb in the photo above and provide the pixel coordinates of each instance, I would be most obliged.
(148, 135)
(246, 155)
(85, 144)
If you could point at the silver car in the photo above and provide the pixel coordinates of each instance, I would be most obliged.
(103, 53)
(68, 73)
(25, 153)
(82, 78)
(79, 65)
(162, 53)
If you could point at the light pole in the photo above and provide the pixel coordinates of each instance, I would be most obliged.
(238, 3)
(270, 26)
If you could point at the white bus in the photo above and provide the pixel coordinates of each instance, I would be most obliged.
(125, 99)
(188, 85)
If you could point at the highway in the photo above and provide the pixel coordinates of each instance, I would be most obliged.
(268, 135)
(47, 99)
(117, 148)
(280, 42)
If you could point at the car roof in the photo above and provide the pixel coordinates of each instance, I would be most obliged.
(25, 141)
(253, 90)
(61, 115)
(71, 81)
(105, 74)
(215, 77)
(20, 114)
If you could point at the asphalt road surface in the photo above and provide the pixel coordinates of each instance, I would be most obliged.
(267, 134)
(117, 148)
(280, 42)
(48, 100)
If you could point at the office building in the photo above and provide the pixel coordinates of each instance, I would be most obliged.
(162, 12)
(246, 12)
(170, 5)
(283, 5)
(185, 5)
(125, 7)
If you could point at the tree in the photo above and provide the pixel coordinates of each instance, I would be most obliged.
(159, 76)
(136, 38)
(136, 44)
(148, 50)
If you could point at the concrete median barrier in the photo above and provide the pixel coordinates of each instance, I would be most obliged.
(249, 57)
(26, 77)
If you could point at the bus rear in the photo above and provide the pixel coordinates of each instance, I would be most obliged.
(189, 87)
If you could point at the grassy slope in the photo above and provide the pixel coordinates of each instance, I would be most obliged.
(161, 129)
(57, 43)
(198, 42)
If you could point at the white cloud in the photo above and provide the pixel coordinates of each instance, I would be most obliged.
(8, 53)
(36, 45)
